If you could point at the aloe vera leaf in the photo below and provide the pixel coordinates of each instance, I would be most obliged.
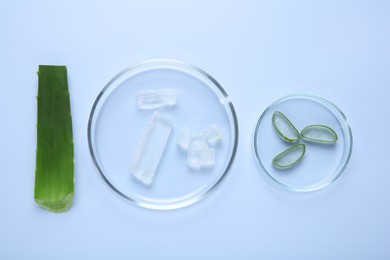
(319, 133)
(54, 174)
(290, 156)
(285, 129)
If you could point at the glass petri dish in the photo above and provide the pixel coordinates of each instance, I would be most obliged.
(322, 164)
(116, 125)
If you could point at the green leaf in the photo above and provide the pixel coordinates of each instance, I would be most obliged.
(319, 133)
(285, 129)
(54, 174)
(290, 156)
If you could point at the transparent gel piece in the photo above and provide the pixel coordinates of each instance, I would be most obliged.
(208, 157)
(213, 135)
(150, 148)
(183, 138)
(199, 153)
(152, 99)
(198, 144)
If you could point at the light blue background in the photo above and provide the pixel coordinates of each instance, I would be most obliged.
(259, 51)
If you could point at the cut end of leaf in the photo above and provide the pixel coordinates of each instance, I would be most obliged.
(285, 129)
(56, 206)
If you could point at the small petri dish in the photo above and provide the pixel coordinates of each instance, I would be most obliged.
(116, 126)
(322, 164)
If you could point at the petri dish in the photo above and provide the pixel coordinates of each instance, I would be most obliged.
(116, 126)
(322, 163)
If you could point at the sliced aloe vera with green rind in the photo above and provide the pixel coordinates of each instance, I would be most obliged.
(319, 133)
(290, 156)
(54, 174)
(285, 129)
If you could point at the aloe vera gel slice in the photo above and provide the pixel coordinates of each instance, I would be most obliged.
(290, 156)
(285, 129)
(54, 184)
(319, 133)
